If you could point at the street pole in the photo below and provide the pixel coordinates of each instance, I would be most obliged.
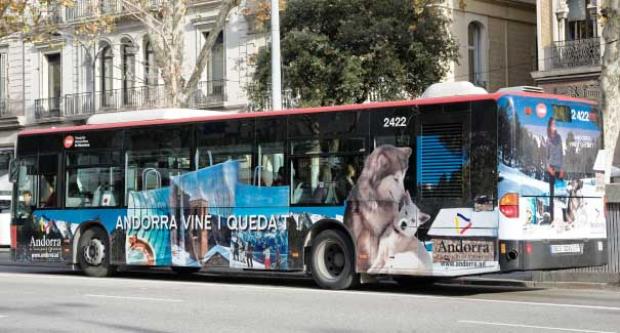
(276, 75)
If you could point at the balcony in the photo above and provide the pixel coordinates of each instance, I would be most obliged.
(85, 9)
(208, 94)
(574, 53)
(53, 15)
(48, 108)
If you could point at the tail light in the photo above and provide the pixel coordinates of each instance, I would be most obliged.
(509, 205)
(13, 236)
(528, 248)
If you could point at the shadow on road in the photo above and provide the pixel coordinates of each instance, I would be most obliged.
(448, 287)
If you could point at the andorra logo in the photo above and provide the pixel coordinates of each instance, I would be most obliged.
(462, 223)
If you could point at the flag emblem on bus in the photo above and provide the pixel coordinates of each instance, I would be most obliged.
(462, 223)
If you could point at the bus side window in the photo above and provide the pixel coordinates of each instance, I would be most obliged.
(323, 180)
(47, 171)
(270, 169)
(27, 189)
(219, 142)
(155, 156)
(93, 178)
(324, 171)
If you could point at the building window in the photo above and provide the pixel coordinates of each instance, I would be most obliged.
(150, 69)
(54, 81)
(474, 33)
(581, 23)
(217, 66)
(107, 72)
(128, 57)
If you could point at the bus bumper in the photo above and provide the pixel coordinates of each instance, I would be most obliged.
(520, 255)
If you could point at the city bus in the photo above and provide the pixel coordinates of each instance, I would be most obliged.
(439, 186)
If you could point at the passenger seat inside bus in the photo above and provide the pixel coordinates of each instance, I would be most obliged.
(104, 196)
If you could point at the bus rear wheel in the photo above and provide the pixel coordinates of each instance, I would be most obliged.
(332, 261)
(93, 253)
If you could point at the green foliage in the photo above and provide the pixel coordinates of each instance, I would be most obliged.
(341, 51)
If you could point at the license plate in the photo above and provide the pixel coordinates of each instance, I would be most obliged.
(566, 248)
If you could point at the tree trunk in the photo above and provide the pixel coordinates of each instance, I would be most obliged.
(610, 78)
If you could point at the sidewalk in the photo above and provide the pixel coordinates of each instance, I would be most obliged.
(538, 279)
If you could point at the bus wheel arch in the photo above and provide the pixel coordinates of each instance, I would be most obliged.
(92, 249)
(326, 239)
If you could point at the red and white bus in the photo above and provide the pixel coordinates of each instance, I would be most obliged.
(442, 186)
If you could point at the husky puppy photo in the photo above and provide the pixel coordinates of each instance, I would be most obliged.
(373, 203)
(400, 237)
(575, 203)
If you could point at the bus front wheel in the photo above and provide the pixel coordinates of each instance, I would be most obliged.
(93, 256)
(332, 261)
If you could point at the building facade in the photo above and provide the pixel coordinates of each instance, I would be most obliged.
(66, 79)
(569, 48)
(497, 41)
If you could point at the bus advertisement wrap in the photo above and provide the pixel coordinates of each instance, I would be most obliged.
(550, 163)
(206, 218)
(472, 185)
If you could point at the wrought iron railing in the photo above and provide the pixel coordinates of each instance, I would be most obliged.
(79, 104)
(574, 53)
(46, 108)
(83, 9)
(262, 101)
(53, 14)
(116, 100)
(208, 93)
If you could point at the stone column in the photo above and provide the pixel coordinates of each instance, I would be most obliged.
(562, 15)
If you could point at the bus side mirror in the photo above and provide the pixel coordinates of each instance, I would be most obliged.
(13, 171)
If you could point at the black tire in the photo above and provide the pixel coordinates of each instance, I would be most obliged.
(185, 271)
(94, 253)
(332, 261)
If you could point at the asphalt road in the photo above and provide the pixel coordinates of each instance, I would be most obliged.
(53, 300)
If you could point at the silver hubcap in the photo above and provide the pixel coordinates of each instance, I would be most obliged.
(94, 252)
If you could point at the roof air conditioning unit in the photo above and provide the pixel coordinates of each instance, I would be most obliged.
(529, 89)
(447, 89)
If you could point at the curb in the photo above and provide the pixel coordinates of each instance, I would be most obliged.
(535, 284)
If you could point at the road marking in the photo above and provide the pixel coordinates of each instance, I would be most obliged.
(2, 316)
(286, 289)
(136, 298)
(488, 323)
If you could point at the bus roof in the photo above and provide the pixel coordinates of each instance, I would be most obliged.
(210, 116)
